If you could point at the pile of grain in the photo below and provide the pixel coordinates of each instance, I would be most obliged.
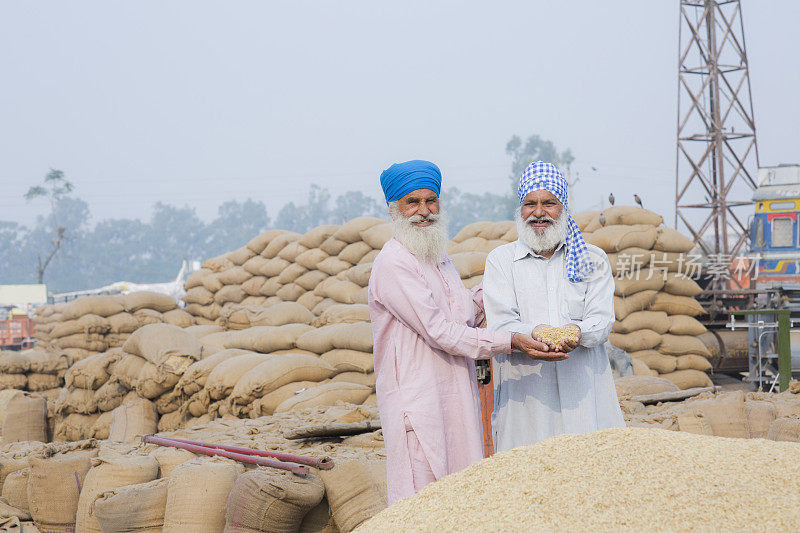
(104, 485)
(618, 479)
(654, 303)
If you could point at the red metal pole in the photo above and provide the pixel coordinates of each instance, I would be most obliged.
(242, 458)
(326, 463)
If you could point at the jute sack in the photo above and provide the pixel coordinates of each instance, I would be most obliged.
(110, 395)
(694, 422)
(260, 241)
(168, 347)
(169, 458)
(693, 361)
(291, 251)
(688, 379)
(40, 382)
(310, 280)
(353, 253)
(266, 339)
(640, 368)
(760, 415)
(277, 371)
(639, 301)
(644, 339)
(356, 491)
(674, 262)
(279, 243)
(212, 282)
(229, 293)
(471, 230)
(196, 375)
(42, 362)
(372, 440)
(653, 320)
(54, 487)
(198, 332)
(266, 405)
(370, 257)
(25, 419)
(252, 287)
(343, 314)
(271, 501)
(685, 325)
(377, 235)
(13, 461)
(14, 362)
(319, 520)
(310, 300)
(356, 336)
(197, 494)
(241, 317)
(216, 340)
(74, 427)
(726, 414)
(343, 291)
(629, 261)
(102, 305)
(681, 285)
(629, 215)
(195, 279)
(682, 344)
(133, 419)
(639, 385)
(147, 316)
(93, 324)
(169, 402)
(314, 237)
(784, 429)
(469, 264)
(326, 394)
(198, 295)
(639, 280)
(234, 276)
(355, 377)
(13, 381)
(110, 471)
(197, 404)
(90, 342)
(616, 238)
(217, 264)
(15, 488)
(102, 426)
(659, 362)
(64, 329)
(349, 361)
(676, 305)
(148, 300)
(290, 292)
(148, 380)
(223, 377)
(585, 217)
(333, 266)
(359, 274)
(350, 231)
(76, 401)
(135, 508)
(311, 258)
(670, 240)
(92, 372)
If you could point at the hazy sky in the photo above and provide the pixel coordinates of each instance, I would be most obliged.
(196, 102)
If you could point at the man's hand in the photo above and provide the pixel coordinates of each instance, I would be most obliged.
(570, 344)
(535, 349)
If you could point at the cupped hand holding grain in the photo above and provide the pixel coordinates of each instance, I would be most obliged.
(536, 349)
(561, 339)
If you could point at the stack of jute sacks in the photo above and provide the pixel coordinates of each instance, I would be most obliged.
(654, 303)
(92, 324)
(755, 415)
(99, 486)
(35, 370)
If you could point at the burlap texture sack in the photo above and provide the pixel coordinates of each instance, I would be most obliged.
(333, 266)
(74, 427)
(355, 377)
(92, 372)
(670, 240)
(271, 501)
(694, 422)
(217, 264)
(290, 292)
(681, 285)
(133, 419)
(644, 339)
(102, 305)
(229, 293)
(138, 508)
(349, 361)
(225, 375)
(54, 487)
(682, 344)
(653, 320)
(243, 317)
(196, 375)
(258, 243)
(311, 279)
(279, 243)
(377, 235)
(110, 395)
(25, 419)
(350, 231)
(76, 401)
(110, 471)
(234, 276)
(148, 300)
(199, 511)
(314, 237)
(676, 305)
(685, 325)
(659, 362)
(291, 251)
(639, 385)
(726, 414)
(639, 301)
(168, 347)
(267, 339)
(356, 336)
(326, 394)
(760, 415)
(198, 295)
(267, 404)
(41, 382)
(784, 429)
(356, 491)
(614, 238)
(629, 215)
(694, 362)
(688, 379)
(276, 372)
(15, 489)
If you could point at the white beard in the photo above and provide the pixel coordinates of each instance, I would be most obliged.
(426, 243)
(547, 241)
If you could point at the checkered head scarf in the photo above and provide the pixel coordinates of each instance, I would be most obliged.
(545, 176)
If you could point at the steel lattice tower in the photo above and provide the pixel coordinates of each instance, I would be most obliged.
(717, 154)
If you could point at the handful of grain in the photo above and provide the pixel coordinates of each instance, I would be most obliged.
(556, 337)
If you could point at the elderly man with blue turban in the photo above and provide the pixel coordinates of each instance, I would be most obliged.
(550, 277)
(427, 336)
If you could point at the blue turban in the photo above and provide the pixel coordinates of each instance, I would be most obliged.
(545, 176)
(402, 178)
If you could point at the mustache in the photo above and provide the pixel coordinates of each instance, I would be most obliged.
(545, 218)
(430, 217)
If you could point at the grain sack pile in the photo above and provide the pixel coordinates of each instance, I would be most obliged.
(654, 303)
(754, 415)
(95, 485)
(616, 479)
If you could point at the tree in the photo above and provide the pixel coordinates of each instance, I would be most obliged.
(465, 208)
(236, 223)
(353, 204)
(54, 188)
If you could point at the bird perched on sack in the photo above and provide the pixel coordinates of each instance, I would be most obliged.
(611, 198)
(638, 200)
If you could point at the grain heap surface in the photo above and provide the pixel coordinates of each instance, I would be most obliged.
(654, 292)
(617, 479)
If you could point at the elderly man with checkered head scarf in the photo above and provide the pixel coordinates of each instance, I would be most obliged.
(426, 337)
(550, 277)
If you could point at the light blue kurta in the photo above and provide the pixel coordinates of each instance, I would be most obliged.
(534, 400)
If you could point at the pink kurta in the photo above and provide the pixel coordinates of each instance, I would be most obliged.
(425, 343)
